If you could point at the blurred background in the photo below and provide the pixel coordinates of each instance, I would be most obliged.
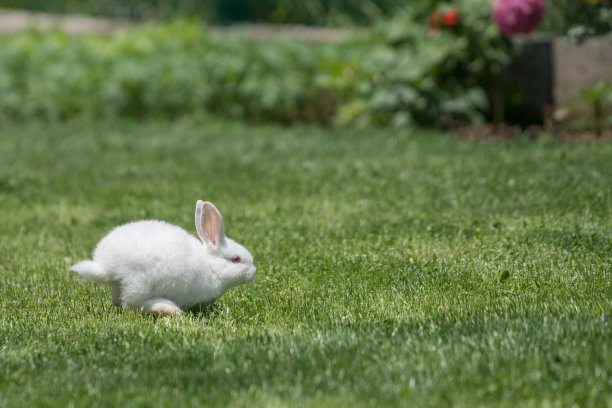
(561, 16)
(454, 65)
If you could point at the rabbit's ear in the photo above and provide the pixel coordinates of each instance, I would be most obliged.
(209, 225)
(198, 218)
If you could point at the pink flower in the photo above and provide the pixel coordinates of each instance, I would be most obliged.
(518, 16)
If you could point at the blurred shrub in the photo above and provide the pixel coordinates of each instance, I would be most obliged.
(156, 70)
(435, 75)
(321, 12)
(317, 12)
(416, 68)
(578, 18)
(130, 9)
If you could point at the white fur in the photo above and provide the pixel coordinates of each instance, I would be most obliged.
(160, 268)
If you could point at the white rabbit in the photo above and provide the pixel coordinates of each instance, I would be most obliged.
(160, 267)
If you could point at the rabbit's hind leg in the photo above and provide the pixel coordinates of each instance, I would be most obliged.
(115, 290)
(161, 306)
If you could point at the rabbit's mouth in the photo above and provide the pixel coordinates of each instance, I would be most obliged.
(251, 274)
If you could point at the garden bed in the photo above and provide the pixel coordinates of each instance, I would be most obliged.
(294, 73)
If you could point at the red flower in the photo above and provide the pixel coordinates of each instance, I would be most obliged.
(451, 18)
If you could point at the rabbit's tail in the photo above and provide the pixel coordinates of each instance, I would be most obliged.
(91, 270)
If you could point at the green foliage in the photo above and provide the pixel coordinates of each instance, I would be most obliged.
(395, 268)
(401, 73)
(317, 12)
(433, 75)
(130, 9)
(168, 70)
(597, 93)
(579, 18)
(597, 96)
(320, 12)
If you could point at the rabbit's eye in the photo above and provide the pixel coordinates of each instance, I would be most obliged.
(236, 259)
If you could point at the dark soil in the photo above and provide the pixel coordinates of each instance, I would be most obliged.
(509, 132)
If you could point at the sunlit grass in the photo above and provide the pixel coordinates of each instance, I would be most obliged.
(395, 268)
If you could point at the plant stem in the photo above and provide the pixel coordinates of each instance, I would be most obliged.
(498, 107)
(597, 116)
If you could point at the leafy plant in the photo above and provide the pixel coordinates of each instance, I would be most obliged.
(596, 96)
(579, 18)
(320, 12)
(433, 74)
(155, 70)
(412, 73)
(131, 9)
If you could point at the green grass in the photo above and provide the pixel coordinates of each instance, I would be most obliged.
(394, 268)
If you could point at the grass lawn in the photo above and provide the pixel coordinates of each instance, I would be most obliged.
(394, 268)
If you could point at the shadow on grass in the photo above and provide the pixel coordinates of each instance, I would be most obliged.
(200, 311)
(203, 310)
